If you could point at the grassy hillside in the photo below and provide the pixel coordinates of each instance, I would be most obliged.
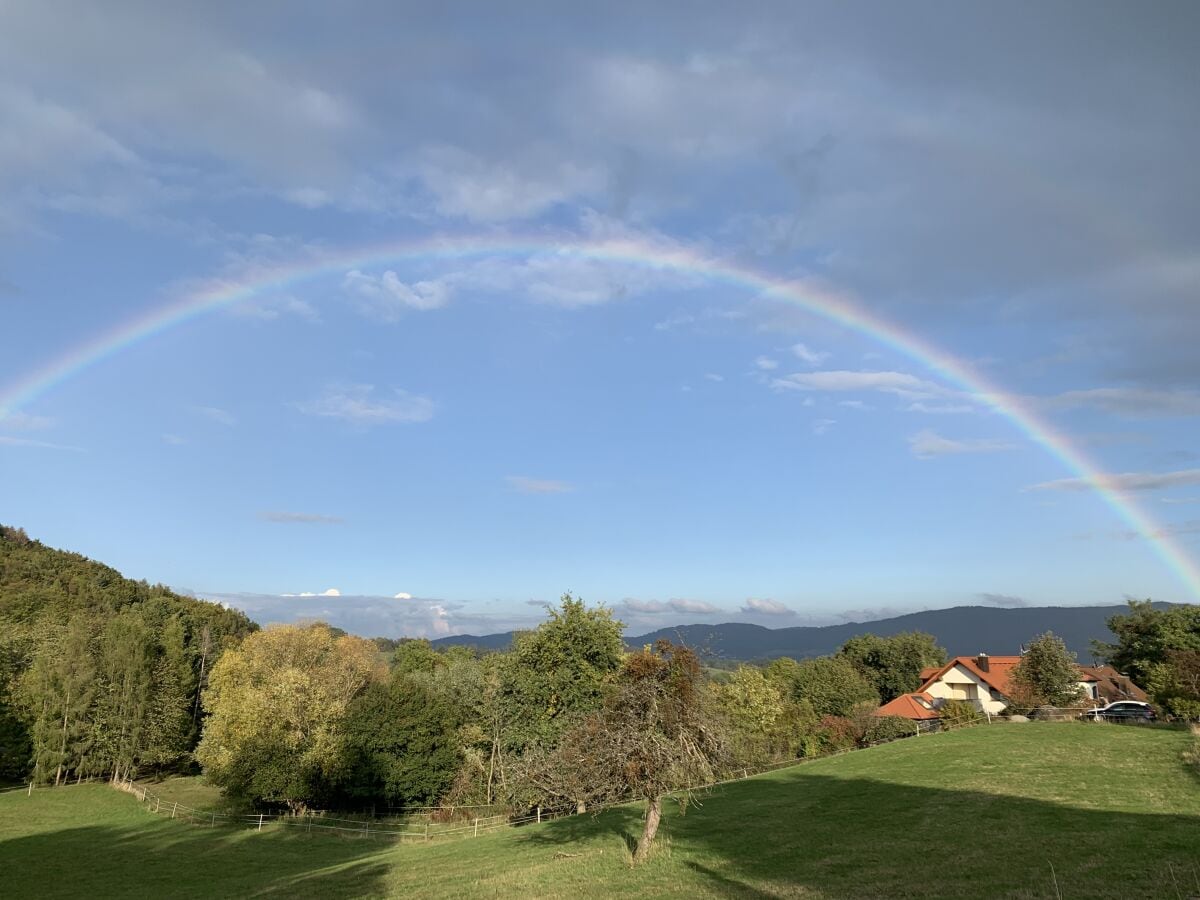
(984, 812)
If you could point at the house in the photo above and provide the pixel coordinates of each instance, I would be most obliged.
(983, 680)
(986, 681)
(918, 707)
(1105, 684)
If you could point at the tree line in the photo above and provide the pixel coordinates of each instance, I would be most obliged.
(99, 675)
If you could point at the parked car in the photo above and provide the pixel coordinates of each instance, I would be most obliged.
(1122, 711)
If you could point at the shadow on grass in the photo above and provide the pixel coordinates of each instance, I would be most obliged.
(859, 837)
(179, 860)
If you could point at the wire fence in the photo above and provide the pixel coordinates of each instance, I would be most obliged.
(320, 822)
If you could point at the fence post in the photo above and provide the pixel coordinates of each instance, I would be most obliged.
(29, 793)
(173, 808)
(539, 815)
(476, 827)
(214, 821)
(426, 831)
(260, 818)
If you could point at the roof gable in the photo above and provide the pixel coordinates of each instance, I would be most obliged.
(993, 671)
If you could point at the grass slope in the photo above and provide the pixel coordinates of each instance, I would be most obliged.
(984, 812)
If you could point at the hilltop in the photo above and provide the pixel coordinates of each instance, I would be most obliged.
(962, 630)
(983, 812)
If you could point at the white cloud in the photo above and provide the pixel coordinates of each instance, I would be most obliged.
(766, 364)
(1127, 481)
(1136, 402)
(899, 383)
(371, 616)
(331, 592)
(765, 607)
(812, 357)
(216, 414)
(21, 421)
(853, 404)
(927, 444)
(355, 403)
(1007, 601)
(43, 445)
(1175, 529)
(682, 605)
(1176, 500)
(386, 298)
(402, 596)
(711, 376)
(822, 426)
(939, 408)
(300, 518)
(525, 485)
(652, 609)
(269, 309)
(468, 186)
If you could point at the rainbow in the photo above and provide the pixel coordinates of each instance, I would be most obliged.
(654, 255)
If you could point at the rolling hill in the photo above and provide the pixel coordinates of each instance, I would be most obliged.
(962, 630)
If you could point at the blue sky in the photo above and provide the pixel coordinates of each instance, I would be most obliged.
(479, 434)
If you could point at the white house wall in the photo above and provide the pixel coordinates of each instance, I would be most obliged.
(954, 686)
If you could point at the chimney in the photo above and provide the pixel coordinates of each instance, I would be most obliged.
(982, 661)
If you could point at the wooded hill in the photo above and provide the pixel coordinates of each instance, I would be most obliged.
(98, 673)
(962, 630)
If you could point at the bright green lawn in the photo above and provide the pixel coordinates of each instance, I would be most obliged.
(984, 812)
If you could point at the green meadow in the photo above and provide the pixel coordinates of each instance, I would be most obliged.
(1022, 811)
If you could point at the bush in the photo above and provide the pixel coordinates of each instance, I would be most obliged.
(834, 733)
(888, 728)
(954, 713)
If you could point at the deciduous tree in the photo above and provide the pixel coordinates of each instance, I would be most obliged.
(1047, 674)
(276, 708)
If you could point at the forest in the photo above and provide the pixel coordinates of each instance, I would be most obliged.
(101, 676)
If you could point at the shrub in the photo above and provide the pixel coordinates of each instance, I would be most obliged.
(954, 713)
(834, 733)
(888, 728)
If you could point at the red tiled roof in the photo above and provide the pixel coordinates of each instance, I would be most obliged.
(909, 706)
(1111, 684)
(995, 676)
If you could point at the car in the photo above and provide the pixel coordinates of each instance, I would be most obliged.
(1122, 711)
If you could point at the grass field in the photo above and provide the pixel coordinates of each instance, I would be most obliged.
(1022, 811)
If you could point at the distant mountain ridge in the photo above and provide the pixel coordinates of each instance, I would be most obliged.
(962, 630)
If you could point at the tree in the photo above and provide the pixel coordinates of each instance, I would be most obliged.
(59, 688)
(559, 671)
(1047, 674)
(893, 664)
(400, 743)
(755, 708)
(15, 746)
(275, 731)
(654, 736)
(832, 685)
(1146, 635)
(1175, 683)
(415, 655)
